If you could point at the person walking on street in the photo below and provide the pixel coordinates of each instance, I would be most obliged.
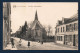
(12, 42)
(28, 44)
(42, 42)
(20, 42)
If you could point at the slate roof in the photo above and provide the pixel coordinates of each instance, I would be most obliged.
(36, 23)
(68, 20)
(71, 19)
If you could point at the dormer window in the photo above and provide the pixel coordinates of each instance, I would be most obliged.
(62, 20)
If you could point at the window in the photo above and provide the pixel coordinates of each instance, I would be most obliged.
(70, 38)
(70, 27)
(65, 37)
(36, 33)
(57, 37)
(63, 29)
(75, 26)
(61, 38)
(58, 29)
(67, 28)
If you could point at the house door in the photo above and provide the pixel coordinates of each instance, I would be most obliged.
(65, 39)
(36, 33)
(73, 40)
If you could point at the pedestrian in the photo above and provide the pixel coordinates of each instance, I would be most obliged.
(20, 42)
(28, 44)
(42, 42)
(38, 41)
(12, 42)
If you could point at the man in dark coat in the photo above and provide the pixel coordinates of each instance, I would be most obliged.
(20, 42)
(28, 44)
(12, 42)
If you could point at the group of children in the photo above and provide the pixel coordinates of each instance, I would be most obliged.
(20, 41)
(27, 44)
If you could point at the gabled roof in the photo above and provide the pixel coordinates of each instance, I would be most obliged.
(60, 22)
(69, 20)
(36, 23)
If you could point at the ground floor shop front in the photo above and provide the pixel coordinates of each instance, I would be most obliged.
(71, 40)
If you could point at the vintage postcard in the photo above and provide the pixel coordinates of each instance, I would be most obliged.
(40, 25)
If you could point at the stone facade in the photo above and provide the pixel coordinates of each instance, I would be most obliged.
(6, 23)
(67, 31)
(37, 31)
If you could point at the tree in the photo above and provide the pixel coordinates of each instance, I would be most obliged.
(49, 30)
(29, 24)
(25, 27)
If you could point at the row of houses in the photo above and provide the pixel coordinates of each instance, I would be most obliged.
(67, 31)
(6, 23)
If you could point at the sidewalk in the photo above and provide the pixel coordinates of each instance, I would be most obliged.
(66, 46)
(9, 47)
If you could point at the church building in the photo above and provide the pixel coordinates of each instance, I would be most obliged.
(38, 32)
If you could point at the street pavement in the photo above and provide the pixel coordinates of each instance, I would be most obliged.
(39, 46)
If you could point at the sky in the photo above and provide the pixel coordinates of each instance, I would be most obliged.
(48, 13)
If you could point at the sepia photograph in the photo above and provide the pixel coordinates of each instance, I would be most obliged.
(40, 25)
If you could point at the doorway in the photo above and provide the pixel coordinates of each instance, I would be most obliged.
(74, 40)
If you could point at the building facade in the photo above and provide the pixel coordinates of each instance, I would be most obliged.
(67, 31)
(38, 32)
(6, 23)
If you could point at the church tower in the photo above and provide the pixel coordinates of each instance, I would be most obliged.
(37, 30)
(36, 16)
